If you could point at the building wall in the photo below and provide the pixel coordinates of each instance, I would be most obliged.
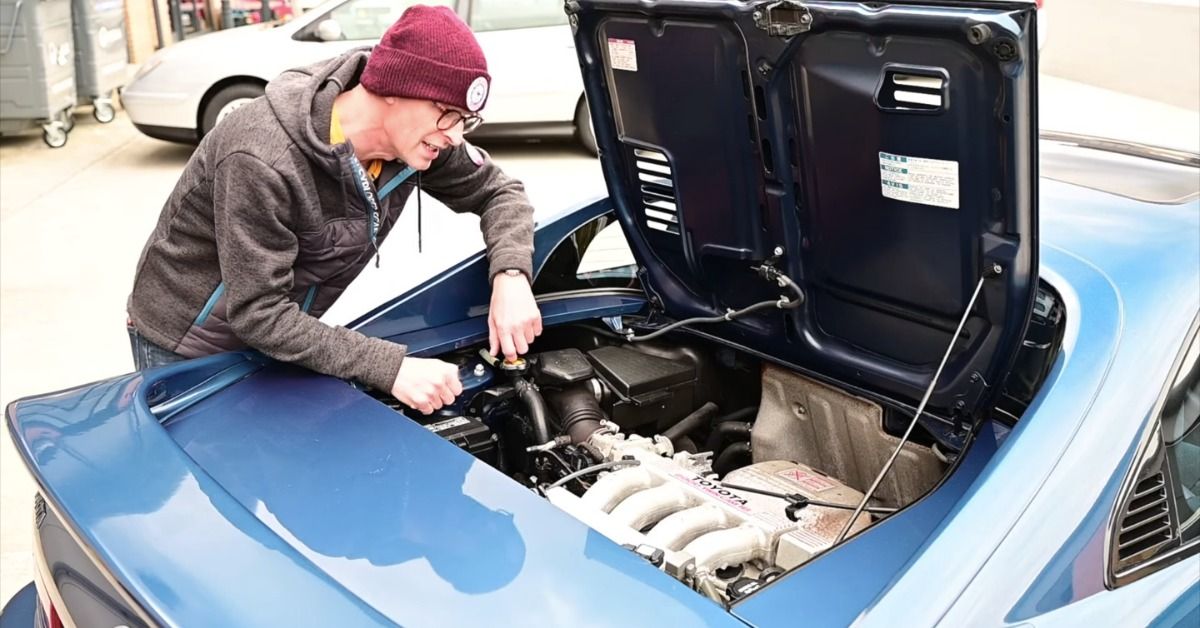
(140, 29)
(1146, 48)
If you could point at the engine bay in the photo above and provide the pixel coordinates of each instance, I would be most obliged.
(719, 468)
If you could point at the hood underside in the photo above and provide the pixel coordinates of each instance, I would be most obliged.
(883, 156)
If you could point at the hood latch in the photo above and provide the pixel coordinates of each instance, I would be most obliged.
(783, 18)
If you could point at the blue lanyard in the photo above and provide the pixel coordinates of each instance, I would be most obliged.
(395, 181)
(363, 183)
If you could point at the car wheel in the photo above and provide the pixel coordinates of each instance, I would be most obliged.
(583, 128)
(225, 102)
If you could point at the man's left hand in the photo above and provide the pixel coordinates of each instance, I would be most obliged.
(514, 319)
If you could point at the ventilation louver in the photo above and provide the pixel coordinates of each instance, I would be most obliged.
(656, 183)
(1146, 524)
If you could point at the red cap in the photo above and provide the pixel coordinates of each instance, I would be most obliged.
(430, 54)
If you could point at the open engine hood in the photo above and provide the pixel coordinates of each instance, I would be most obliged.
(882, 155)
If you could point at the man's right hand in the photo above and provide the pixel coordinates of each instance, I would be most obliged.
(425, 384)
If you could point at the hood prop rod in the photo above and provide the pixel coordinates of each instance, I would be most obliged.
(916, 416)
(766, 271)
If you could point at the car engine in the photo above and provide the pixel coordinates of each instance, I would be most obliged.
(669, 508)
(632, 441)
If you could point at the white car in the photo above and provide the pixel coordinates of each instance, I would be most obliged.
(184, 90)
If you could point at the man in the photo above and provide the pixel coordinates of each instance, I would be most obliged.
(286, 201)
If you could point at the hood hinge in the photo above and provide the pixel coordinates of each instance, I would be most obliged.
(783, 18)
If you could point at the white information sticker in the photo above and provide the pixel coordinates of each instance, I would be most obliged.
(919, 180)
(622, 54)
(447, 424)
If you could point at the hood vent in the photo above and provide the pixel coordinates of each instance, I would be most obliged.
(656, 182)
(1146, 524)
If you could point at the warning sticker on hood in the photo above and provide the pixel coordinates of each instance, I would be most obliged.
(622, 54)
(919, 180)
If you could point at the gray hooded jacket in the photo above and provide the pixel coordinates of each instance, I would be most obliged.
(269, 223)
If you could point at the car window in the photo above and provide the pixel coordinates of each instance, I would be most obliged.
(496, 15)
(1181, 437)
(596, 255)
(368, 19)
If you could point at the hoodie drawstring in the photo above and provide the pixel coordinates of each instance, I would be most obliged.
(418, 212)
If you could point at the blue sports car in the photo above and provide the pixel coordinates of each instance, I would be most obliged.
(845, 344)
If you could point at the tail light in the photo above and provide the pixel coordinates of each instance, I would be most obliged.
(55, 620)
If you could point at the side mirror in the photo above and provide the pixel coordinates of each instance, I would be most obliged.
(329, 30)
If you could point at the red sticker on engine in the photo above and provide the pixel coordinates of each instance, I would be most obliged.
(808, 481)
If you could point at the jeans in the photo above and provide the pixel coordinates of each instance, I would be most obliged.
(147, 354)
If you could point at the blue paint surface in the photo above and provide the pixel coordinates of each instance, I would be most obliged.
(318, 505)
(1183, 613)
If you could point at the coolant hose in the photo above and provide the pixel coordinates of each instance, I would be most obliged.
(738, 415)
(538, 412)
(729, 430)
(691, 422)
(729, 457)
(579, 414)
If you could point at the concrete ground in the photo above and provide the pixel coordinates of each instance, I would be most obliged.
(72, 223)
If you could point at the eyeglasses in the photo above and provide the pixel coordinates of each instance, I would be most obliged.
(451, 117)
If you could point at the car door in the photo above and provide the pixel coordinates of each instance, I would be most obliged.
(359, 23)
(531, 57)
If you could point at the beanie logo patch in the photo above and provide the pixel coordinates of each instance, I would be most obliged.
(477, 93)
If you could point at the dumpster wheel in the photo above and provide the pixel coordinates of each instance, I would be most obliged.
(54, 135)
(103, 110)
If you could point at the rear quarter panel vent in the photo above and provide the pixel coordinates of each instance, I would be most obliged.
(1146, 522)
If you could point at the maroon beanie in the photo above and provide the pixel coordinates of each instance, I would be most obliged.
(431, 54)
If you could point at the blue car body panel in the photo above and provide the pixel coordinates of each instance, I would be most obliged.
(401, 518)
(284, 476)
(1028, 540)
(146, 510)
(21, 610)
(258, 493)
(297, 499)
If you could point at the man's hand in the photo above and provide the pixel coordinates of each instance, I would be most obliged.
(426, 385)
(514, 319)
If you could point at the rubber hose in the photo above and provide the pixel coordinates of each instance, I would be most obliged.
(690, 422)
(731, 430)
(538, 412)
(579, 414)
(737, 415)
(729, 456)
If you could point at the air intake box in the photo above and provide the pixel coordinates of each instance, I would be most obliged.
(645, 388)
(469, 433)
